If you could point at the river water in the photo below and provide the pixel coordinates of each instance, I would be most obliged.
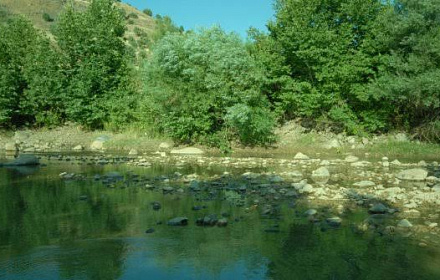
(93, 225)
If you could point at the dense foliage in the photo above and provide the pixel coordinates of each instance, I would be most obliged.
(368, 66)
(351, 65)
(204, 86)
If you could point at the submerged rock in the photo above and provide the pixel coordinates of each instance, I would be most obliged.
(23, 160)
(416, 174)
(378, 208)
(334, 221)
(222, 222)
(150, 230)
(179, 221)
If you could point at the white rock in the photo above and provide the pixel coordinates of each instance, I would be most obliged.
(351, 159)
(11, 147)
(187, 151)
(321, 175)
(78, 148)
(133, 152)
(301, 156)
(364, 184)
(97, 145)
(165, 146)
(416, 174)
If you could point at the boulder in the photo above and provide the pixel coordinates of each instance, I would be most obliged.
(133, 152)
(97, 145)
(321, 175)
(187, 151)
(417, 174)
(179, 221)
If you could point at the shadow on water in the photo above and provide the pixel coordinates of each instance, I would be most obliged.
(94, 228)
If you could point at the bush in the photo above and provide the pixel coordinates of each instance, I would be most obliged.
(47, 17)
(196, 84)
(148, 12)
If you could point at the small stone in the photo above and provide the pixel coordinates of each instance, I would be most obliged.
(310, 212)
(334, 221)
(351, 159)
(133, 152)
(222, 222)
(378, 208)
(156, 205)
(188, 151)
(150, 230)
(404, 224)
(364, 184)
(432, 225)
(78, 148)
(301, 156)
(179, 221)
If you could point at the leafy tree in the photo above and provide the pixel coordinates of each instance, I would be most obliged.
(148, 12)
(204, 86)
(324, 43)
(94, 61)
(29, 77)
(408, 79)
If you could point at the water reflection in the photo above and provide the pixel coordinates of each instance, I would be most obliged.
(54, 229)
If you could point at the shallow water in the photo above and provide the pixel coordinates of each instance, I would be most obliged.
(52, 228)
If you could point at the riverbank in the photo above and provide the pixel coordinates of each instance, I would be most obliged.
(292, 139)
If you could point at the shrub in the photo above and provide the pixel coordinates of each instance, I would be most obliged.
(148, 12)
(197, 83)
(47, 17)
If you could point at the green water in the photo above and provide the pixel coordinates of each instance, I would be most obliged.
(81, 229)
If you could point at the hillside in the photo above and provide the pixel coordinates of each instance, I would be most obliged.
(140, 27)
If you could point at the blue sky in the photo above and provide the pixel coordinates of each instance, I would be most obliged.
(231, 15)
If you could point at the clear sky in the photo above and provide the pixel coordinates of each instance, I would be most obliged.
(231, 15)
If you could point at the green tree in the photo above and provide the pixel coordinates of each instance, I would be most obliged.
(29, 77)
(408, 79)
(204, 86)
(94, 62)
(325, 43)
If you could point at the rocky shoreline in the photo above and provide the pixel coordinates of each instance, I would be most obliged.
(400, 197)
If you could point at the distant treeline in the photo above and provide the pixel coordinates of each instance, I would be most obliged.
(352, 66)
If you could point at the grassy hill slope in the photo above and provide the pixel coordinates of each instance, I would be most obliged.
(140, 27)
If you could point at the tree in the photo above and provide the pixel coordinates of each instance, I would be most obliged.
(204, 86)
(29, 76)
(94, 61)
(324, 44)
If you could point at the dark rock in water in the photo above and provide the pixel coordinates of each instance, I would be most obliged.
(150, 230)
(226, 215)
(83, 197)
(272, 230)
(222, 222)
(168, 189)
(210, 220)
(97, 177)
(197, 208)
(156, 205)
(179, 221)
(334, 221)
(159, 223)
(194, 186)
(378, 208)
(23, 160)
